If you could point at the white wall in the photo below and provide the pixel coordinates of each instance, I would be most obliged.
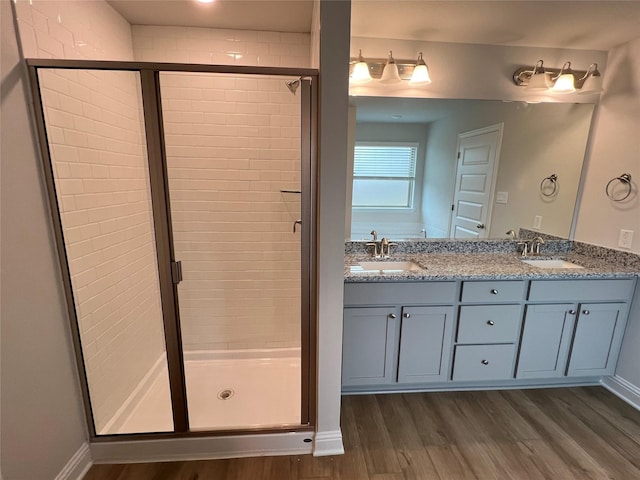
(42, 417)
(335, 20)
(615, 146)
(220, 46)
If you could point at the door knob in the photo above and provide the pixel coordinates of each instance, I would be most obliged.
(407, 315)
(494, 291)
(480, 226)
(491, 323)
(586, 312)
(392, 315)
(572, 312)
(485, 362)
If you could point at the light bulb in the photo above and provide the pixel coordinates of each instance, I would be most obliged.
(420, 75)
(360, 73)
(390, 73)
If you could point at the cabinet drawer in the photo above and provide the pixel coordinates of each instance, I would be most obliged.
(399, 293)
(581, 290)
(489, 324)
(483, 362)
(493, 291)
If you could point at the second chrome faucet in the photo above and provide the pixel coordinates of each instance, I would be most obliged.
(382, 248)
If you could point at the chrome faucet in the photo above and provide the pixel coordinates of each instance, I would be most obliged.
(385, 247)
(535, 245)
(513, 234)
(525, 248)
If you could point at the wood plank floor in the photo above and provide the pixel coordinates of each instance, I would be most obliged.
(558, 434)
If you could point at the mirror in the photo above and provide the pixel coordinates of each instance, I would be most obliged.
(531, 142)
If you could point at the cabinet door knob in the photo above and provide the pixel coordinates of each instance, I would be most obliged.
(485, 362)
(586, 312)
(494, 291)
(392, 315)
(407, 315)
(572, 312)
(491, 323)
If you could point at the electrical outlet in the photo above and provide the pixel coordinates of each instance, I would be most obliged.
(537, 222)
(625, 239)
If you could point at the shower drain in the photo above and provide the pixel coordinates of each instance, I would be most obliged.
(225, 394)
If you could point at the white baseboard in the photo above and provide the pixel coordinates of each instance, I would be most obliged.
(203, 448)
(78, 465)
(623, 389)
(328, 443)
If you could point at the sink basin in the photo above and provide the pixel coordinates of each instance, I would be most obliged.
(546, 263)
(385, 267)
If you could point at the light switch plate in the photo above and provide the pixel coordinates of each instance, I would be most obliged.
(537, 222)
(502, 197)
(626, 238)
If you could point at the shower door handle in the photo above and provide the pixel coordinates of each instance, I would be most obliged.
(176, 272)
(297, 222)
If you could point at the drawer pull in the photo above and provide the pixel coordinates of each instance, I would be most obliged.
(485, 362)
(491, 323)
(392, 315)
(407, 315)
(586, 312)
(572, 312)
(494, 291)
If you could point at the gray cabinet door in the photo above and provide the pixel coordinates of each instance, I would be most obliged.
(597, 339)
(425, 344)
(369, 345)
(546, 338)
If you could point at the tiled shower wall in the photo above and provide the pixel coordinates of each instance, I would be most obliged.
(233, 143)
(97, 146)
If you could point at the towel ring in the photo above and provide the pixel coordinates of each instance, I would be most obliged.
(553, 179)
(625, 179)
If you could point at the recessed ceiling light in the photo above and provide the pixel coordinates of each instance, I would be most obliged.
(205, 1)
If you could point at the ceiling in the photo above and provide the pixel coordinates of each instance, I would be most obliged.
(586, 25)
(405, 110)
(590, 25)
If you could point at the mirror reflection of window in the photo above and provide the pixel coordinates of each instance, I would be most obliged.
(384, 175)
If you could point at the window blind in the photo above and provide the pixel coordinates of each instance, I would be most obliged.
(385, 161)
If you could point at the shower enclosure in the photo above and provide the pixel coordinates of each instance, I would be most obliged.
(183, 205)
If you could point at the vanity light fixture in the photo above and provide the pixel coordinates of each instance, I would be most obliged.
(565, 82)
(539, 79)
(205, 1)
(562, 80)
(592, 80)
(390, 74)
(388, 71)
(360, 72)
(420, 75)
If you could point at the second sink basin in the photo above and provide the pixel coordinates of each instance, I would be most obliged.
(551, 263)
(385, 267)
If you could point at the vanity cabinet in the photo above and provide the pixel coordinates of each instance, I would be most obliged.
(577, 339)
(546, 339)
(597, 339)
(369, 342)
(386, 343)
(488, 330)
(439, 334)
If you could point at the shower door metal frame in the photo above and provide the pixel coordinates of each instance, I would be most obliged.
(158, 179)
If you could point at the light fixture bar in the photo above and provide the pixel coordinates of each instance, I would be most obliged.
(376, 65)
(522, 75)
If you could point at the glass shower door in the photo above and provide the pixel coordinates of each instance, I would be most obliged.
(233, 153)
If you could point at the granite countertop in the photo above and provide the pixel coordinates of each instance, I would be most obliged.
(479, 266)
